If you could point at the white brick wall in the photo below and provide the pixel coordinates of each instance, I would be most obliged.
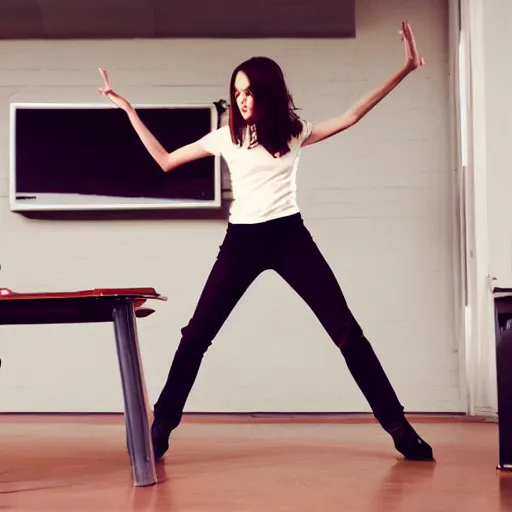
(498, 133)
(377, 199)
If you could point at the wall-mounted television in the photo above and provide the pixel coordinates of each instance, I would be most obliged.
(89, 157)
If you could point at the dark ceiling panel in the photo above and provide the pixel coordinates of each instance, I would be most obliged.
(201, 18)
(101, 19)
(20, 19)
(97, 18)
(264, 18)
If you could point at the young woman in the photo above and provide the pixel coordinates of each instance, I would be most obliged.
(261, 147)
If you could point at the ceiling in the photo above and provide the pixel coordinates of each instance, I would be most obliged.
(100, 19)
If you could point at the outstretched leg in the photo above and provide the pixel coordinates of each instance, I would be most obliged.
(308, 273)
(229, 278)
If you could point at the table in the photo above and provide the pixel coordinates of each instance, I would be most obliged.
(122, 307)
(503, 324)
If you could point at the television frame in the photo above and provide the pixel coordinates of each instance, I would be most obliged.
(19, 206)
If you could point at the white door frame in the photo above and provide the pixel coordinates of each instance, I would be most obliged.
(474, 309)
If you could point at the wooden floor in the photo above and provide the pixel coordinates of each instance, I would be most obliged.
(224, 465)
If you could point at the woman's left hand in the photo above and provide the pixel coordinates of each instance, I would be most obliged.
(412, 57)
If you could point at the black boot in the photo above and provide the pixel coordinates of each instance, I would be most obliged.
(369, 375)
(160, 440)
(411, 445)
(168, 409)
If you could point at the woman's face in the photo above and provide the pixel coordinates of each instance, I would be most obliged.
(244, 97)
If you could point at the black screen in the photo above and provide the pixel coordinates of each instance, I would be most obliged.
(96, 151)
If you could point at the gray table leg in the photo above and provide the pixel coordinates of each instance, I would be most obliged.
(134, 393)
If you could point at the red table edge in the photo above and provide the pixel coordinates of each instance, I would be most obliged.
(136, 293)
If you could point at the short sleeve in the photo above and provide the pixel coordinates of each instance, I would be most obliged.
(307, 128)
(215, 141)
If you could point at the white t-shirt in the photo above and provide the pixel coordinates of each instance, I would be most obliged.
(264, 187)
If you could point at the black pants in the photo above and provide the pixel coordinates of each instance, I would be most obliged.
(285, 246)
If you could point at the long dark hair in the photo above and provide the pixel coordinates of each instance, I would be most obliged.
(277, 121)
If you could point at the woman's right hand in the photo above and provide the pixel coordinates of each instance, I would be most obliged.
(107, 91)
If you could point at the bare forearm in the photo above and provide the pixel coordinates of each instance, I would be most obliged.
(351, 116)
(167, 161)
(363, 106)
(155, 149)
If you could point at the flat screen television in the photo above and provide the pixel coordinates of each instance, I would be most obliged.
(89, 157)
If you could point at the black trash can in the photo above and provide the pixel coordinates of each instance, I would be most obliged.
(503, 323)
